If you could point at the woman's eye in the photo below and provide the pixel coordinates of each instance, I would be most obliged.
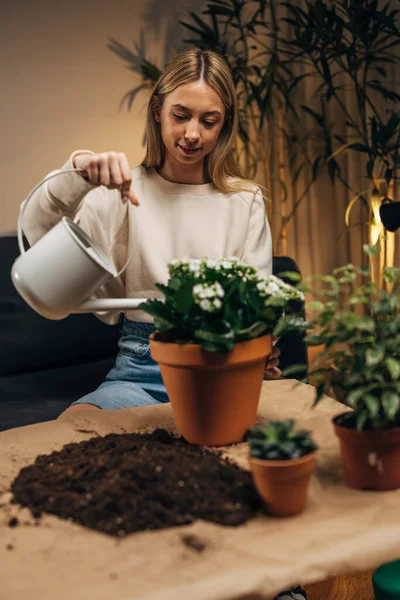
(180, 117)
(209, 123)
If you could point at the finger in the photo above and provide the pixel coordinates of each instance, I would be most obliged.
(104, 171)
(92, 171)
(272, 362)
(126, 174)
(116, 179)
(273, 373)
(132, 198)
(275, 353)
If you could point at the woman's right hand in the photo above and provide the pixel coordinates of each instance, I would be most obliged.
(110, 169)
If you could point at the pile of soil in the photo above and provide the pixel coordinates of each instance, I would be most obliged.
(119, 484)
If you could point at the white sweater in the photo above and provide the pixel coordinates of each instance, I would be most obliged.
(173, 221)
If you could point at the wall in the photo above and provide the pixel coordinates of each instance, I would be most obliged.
(61, 87)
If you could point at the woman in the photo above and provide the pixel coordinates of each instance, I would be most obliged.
(194, 203)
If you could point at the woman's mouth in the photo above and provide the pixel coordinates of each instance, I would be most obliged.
(188, 151)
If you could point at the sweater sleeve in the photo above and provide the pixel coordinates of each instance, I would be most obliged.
(61, 196)
(258, 248)
(64, 195)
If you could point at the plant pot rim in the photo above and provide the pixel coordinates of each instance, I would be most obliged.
(283, 463)
(155, 341)
(372, 433)
(194, 355)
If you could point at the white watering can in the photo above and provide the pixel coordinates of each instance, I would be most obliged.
(64, 268)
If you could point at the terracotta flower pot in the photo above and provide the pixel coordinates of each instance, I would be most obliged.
(214, 397)
(371, 458)
(283, 484)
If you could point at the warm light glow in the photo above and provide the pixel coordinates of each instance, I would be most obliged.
(376, 225)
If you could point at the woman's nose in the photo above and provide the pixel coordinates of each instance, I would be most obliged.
(192, 133)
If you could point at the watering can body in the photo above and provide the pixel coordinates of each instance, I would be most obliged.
(63, 269)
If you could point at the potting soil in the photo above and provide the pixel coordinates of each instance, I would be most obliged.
(124, 483)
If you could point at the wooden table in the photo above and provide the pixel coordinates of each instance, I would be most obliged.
(341, 531)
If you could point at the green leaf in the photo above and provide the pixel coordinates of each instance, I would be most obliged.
(183, 298)
(361, 419)
(315, 340)
(292, 275)
(372, 404)
(393, 367)
(354, 396)
(374, 355)
(314, 305)
(294, 370)
(359, 147)
(251, 332)
(391, 404)
(175, 283)
(160, 311)
(366, 324)
(214, 337)
(371, 250)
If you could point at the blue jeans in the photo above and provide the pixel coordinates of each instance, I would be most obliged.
(136, 379)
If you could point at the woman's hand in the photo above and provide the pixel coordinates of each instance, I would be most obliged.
(272, 370)
(110, 169)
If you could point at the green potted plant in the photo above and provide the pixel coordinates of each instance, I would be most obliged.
(281, 461)
(359, 326)
(213, 334)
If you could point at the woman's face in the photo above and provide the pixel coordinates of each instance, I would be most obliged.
(191, 119)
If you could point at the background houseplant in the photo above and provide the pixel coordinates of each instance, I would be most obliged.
(313, 81)
(214, 333)
(281, 461)
(359, 326)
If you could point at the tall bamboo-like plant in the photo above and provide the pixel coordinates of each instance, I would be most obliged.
(273, 49)
(347, 46)
(261, 75)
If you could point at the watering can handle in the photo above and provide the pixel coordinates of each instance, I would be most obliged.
(25, 202)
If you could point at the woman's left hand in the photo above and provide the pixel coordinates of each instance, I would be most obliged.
(272, 370)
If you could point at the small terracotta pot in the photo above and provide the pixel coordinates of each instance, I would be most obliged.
(214, 397)
(371, 458)
(283, 484)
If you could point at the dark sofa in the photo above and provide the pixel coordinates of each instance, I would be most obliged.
(45, 365)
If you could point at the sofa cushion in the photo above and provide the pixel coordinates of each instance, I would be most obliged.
(28, 341)
(27, 398)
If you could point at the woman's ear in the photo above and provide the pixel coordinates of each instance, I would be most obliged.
(157, 116)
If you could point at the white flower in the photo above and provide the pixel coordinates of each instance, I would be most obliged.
(205, 305)
(217, 303)
(207, 296)
(211, 263)
(219, 289)
(226, 264)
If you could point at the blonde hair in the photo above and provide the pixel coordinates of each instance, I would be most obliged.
(193, 65)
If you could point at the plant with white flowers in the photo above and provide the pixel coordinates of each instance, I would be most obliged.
(217, 303)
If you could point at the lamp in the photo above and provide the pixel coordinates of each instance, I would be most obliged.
(390, 215)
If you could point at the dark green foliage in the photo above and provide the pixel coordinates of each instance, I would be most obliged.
(359, 326)
(274, 48)
(278, 440)
(218, 303)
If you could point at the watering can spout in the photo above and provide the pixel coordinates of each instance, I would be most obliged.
(108, 304)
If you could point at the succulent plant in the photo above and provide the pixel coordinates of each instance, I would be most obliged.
(277, 440)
